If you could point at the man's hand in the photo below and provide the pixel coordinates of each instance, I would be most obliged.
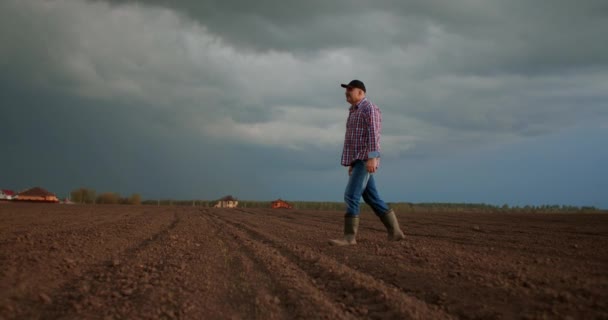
(350, 170)
(371, 165)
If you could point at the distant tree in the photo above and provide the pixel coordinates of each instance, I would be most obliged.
(83, 195)
(135, 199)
(108, 198)
(588, 208)
(77, 195)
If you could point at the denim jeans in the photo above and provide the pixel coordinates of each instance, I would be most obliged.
(361, 184)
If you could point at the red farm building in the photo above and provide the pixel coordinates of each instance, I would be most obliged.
(36, 194)
(7, 194)
(281, 204)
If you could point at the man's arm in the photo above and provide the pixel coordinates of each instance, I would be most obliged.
(375, 126)
(373, 143)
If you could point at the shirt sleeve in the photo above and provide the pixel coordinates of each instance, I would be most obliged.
(375, 126)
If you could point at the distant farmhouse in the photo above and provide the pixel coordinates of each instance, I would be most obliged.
(227, 202)
(36, 194)
(7, 194)
(280, 204)
(67, 201)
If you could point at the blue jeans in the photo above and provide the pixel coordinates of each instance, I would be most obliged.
(361, 184)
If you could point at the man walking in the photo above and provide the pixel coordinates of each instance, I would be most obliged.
(361, 154)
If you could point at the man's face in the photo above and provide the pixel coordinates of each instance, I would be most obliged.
(353, 95)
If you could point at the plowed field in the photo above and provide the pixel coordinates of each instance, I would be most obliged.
(147, 262)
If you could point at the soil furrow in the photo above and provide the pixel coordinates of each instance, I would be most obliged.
(302, 296)
(227, 281)
(149, 262)
(77, 261)
(54, 224)
(117, 285)
(437, 272)
(365, 295)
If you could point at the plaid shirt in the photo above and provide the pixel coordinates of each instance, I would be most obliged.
(362, 139)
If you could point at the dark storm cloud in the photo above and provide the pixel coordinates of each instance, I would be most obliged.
(123, 149)
(458, 69)
(440, 69)
(199, 99)
(485, 36)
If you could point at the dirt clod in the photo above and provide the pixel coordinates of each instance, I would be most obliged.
(45, 298)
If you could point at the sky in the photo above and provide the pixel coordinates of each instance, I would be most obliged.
(500, 102)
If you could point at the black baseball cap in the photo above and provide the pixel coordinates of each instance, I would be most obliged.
(354, 84)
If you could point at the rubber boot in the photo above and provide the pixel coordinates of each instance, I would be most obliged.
(392, 226)
(351, 225)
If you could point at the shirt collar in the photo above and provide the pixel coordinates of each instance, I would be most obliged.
(355, 107)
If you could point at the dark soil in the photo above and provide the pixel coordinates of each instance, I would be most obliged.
(147, 262)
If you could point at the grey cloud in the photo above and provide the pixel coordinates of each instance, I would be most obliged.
(443, 73)
(485, 37)
(124, 149)
(207, 98)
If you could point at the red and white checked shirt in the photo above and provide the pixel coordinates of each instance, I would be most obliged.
(362, 139)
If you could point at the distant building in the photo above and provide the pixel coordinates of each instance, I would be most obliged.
(7, 194)
(37, 194)
(279, 204)
(227, 202)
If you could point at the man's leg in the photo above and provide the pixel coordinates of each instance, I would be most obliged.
(357, 182)
(372, 198)
(381, 209)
